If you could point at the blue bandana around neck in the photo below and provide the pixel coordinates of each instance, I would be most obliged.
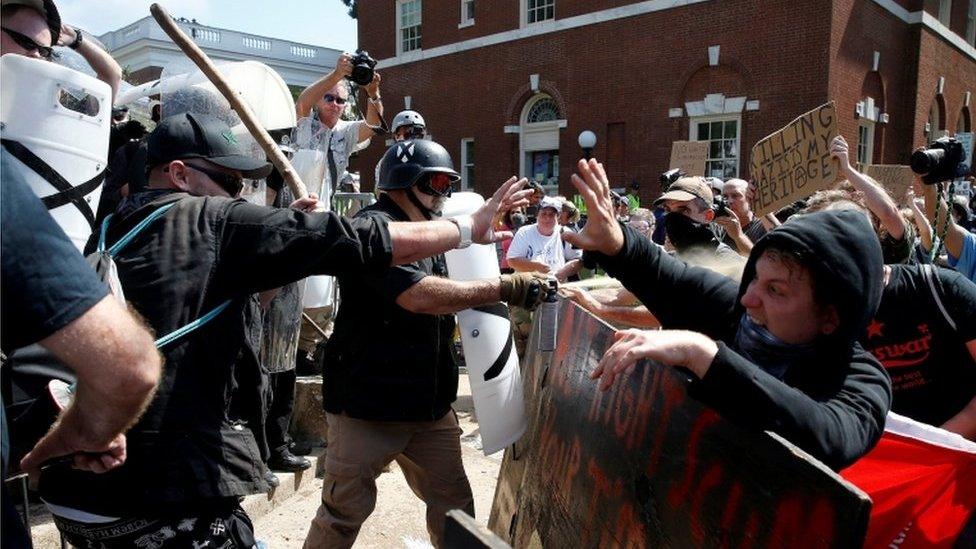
(767, 351)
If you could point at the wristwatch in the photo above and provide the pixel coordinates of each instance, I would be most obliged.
(464, 224)
(77, 41)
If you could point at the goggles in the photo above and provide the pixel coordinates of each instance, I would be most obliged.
(438, 184)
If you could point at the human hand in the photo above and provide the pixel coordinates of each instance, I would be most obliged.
(68, 35)
(730, 223)
(841, 151)
(526, 290)
(309, 204)
(507, 196)
(373, 88)
(343, 66)
(581, 297)
(690, 350)
(72, 443)
(602, 232)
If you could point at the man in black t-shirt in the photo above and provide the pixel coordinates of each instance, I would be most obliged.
(932, 363)
(390, 376)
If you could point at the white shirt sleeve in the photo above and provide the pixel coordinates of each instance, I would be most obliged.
(519, 249)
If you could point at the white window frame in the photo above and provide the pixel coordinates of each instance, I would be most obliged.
(465, 20)
(971, 23)
(536, 127)
(737, 118)
(524, 15)
(865, 144)
(399, 26)
(945, 12)
(466, 183)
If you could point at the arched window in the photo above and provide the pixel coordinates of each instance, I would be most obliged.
(543, 109)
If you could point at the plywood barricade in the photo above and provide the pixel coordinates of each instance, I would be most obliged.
(645, 465)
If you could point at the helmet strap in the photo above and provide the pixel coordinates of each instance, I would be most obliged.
(424, 210)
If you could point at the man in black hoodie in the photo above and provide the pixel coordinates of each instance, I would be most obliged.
(778, 352)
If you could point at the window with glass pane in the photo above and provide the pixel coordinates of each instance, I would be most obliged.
(864, 139)
(410, 25)
(543, 110)
(467, 11)
(723, 147)
(467, 163)
(540, 10)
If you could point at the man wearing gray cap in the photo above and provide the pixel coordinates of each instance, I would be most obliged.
(688, 223)
(194, 256)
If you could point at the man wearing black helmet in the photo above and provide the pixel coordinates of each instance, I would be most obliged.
(389, 377)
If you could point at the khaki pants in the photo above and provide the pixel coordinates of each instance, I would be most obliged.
(428, 452)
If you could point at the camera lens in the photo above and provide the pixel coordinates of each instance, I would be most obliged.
(926, 160)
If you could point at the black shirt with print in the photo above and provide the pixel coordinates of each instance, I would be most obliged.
(933, 375)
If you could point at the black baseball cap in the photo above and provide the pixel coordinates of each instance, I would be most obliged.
(194, 135)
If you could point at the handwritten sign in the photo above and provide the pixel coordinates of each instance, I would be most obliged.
(795, 162)
(895, 179)
(689, 156)
(646, 465)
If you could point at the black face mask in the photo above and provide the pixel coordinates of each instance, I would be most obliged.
(684, 232)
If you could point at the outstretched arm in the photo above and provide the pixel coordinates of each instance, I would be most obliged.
(106, 68)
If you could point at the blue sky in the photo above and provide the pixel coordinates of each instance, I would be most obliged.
(319, 22)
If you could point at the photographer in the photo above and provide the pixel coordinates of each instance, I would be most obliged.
(328, 97)
(778, 352)
(742, 228)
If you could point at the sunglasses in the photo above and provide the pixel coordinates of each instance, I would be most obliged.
(28, 43)
(412, 132)
(231, 183)
(438, 184)
(329, 98)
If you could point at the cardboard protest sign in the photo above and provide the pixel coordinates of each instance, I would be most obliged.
(646, 465)
(689, 156)
(896, 180)
(795, 162)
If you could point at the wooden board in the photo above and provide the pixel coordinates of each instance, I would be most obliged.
(795, 162)
(646, 465)
(689, 156)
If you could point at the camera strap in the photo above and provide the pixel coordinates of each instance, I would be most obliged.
(941, 197)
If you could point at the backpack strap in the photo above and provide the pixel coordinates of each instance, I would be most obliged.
(133, 232)
(125, 240)
(929, 274)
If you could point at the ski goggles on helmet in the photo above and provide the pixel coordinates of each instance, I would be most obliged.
(437, 184)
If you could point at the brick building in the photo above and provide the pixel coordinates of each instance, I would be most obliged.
(508, 85)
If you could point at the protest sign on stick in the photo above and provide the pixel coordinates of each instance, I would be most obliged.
(895, 179)
(795, 162)
(689, 156)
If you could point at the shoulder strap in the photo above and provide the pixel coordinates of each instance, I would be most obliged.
(124, 241)
(127, 237)
(930, 274)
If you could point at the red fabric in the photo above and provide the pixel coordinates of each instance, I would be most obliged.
(923, 493)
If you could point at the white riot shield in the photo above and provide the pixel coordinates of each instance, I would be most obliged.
(486, 336)
(258, 85)
(55, 122)
(309, 162)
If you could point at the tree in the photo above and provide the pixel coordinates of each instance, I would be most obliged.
(353, 6)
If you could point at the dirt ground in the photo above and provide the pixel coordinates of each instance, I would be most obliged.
(398, 520)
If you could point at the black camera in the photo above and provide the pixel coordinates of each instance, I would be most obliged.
(669, 177)
(721, 206)
(362, 67)
(944, 160)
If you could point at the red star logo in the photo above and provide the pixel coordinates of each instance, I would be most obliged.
(874, 329)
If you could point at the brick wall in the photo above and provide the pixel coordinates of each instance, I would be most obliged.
(620, 78)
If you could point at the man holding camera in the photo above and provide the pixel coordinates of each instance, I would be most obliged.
(742, 227)
(327, 98)
(688, 223)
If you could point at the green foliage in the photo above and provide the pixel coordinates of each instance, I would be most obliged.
(353, 6)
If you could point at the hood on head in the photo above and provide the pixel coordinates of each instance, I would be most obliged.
(846, 259)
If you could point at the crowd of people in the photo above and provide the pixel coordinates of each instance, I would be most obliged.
(813, 322)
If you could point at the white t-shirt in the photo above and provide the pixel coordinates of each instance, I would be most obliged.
(530, 244)
(344, 140)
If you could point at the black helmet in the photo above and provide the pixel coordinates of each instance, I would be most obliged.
(406, 162)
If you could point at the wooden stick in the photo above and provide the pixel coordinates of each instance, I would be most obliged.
(243, 110)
